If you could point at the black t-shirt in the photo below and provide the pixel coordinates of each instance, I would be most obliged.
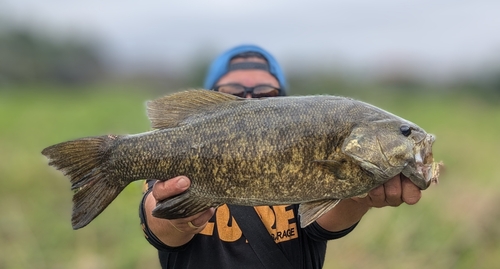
(221, 244)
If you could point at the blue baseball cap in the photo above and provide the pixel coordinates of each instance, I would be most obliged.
(220, 66)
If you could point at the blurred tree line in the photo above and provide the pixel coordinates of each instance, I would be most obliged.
(27, 57)
(31, 57)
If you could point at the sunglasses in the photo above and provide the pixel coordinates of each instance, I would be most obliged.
(242, 91)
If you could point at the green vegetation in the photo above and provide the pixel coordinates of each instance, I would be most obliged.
(27, 55)
(456, 224)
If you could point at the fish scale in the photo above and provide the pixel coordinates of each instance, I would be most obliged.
(309, 150)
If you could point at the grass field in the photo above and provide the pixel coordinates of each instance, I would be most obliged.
(455, 225)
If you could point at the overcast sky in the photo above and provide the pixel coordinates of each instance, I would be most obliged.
(439, 34)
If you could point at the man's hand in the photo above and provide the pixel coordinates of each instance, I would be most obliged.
(394, 192)
(179, 231)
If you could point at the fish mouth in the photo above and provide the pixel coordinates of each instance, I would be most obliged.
(425, 170)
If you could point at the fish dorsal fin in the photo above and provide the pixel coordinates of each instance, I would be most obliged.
(171, 110)
(311, 211)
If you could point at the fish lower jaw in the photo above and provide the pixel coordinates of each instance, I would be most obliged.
(434, 172)
(426, 168)
(429, 172)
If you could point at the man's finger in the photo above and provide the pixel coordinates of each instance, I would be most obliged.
(168, 188)
(377, 197)
(203, 218)
(198, 221)
(411, 193)
(392, 189)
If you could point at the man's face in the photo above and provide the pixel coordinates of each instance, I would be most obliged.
(249, 77)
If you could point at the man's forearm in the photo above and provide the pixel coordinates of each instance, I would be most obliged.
(345, 214)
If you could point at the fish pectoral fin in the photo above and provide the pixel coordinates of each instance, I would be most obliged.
(181, 206)
(336, 167)
(363, 195)
(311, 211)
(169, 111)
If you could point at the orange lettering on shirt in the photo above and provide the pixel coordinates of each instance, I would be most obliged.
(209, 229)
(279, 221)
(227, 228)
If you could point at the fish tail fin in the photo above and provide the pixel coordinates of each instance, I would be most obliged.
(84, 161)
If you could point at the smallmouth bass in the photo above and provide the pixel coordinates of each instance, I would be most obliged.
(307, 150)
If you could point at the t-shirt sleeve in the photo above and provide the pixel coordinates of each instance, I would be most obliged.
(318, 233)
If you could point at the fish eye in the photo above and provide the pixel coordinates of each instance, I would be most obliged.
(405, 130)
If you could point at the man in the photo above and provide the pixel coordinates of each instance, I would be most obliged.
(222, 238)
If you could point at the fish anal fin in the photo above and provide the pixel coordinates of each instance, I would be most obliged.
(311, 211)
(169, 111)
(181, 206)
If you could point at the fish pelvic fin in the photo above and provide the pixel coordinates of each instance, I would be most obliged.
(309, 212)
(181, 206)
(171, 110)
(84, 162)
